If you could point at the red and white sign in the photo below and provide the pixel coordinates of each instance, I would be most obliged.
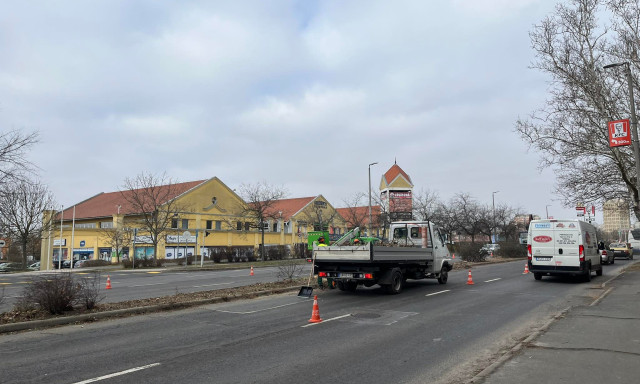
(619, 133)
(581, 211)
(542, 239)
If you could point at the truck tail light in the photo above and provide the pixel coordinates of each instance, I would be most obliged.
(368, 275)
(322, 274)
(529, 251)
(581, 252)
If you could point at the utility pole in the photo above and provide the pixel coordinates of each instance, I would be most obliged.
(634, 119)
(369, 232)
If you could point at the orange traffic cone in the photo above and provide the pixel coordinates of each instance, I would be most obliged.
(454, 256)
(526, 269)
(251, 274)
(470, 279)
(108, 282)
(315, 314)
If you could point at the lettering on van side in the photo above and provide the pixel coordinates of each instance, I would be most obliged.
(566, 239)
(542, 225)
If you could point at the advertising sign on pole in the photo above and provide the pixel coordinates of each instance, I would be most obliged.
(619, 133)
(580, 211)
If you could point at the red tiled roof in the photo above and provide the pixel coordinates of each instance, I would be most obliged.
(359, 212)
(290, 207)
(393, 172)
(106, 204)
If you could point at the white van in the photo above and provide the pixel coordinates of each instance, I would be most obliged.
(563, 247)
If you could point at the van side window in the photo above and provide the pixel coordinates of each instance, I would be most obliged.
(415, 233)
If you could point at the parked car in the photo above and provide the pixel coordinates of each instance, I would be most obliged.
(8, 267)
(35, 266)
(80, 263)
(64, 264)
(621, 250)
(490, 249)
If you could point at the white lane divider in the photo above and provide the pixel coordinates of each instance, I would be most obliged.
(212, 285)
(325, 320)
(118, 374)
(488, 281)
(437, 293)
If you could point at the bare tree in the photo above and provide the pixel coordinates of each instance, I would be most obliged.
(22, 205)
(570, 130)
(117, 237)
(354, 214)
(424, 204)
(260, 199)
(152, 200)
(13, 163)
(469, 217)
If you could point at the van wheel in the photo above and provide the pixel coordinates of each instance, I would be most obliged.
(444, 276)
(537, 275)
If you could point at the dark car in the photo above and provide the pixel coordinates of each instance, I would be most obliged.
(64, 264)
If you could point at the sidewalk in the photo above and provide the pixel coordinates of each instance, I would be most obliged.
(599, 343)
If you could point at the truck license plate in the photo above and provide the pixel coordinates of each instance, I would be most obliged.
(543, 258)
(346, 275)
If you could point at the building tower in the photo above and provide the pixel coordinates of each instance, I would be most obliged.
(396, 194)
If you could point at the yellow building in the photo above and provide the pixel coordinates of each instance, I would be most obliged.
(206, 219)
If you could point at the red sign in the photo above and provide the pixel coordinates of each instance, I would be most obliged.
(542, 239)
(619, 133)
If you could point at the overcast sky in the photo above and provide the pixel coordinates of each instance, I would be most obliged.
(300, 94)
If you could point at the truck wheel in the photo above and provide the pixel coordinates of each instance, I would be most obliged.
(396, 283)
(537, 275)
(351, 286)
(341, 286)
(444, 276)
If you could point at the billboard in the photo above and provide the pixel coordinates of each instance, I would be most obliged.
(619, 133)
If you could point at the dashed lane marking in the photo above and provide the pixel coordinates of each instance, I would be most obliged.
(437, 293)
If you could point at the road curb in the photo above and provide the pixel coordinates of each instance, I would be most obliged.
(57, 321)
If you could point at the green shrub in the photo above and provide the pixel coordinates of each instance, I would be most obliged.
(470, 252)
(512, 249)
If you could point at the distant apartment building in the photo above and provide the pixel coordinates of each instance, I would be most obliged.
(615, 216)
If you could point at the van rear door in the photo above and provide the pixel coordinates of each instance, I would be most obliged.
(568, 238)
(542, 244)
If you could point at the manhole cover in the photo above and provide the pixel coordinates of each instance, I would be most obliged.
(365, 315)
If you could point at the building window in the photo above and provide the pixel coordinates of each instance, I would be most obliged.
(85, 225)
(239, 225)
(185, 223)
(247, 225)
(275, 227)
(209, 224)
(106, 224)
(218, 225)
(174, 223)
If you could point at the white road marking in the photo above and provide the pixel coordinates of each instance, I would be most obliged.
(258, 310)
(325, 320)
(488, 281)
(437, 293)
(211, 285)
(118, 373)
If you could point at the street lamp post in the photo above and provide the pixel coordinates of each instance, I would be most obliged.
(547, 209)
(634, 119)
(493, 199)
(369, 233)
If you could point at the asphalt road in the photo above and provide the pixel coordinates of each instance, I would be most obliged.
(142, 284)
(429, 333)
